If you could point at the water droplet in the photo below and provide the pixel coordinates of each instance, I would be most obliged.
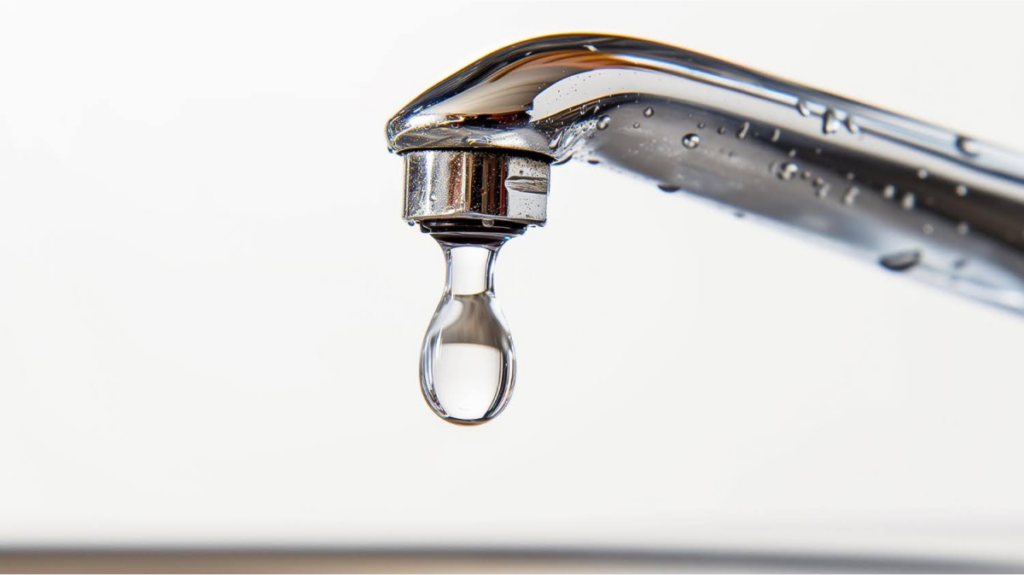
(818, 182)
(433, 197)
(963, 228)
(822, 191)
(636, 124)
(467, 365)
(806, 175)
(603, 122)
(792, 153)
(411, 223)
(743, 130)
(691, 141)
(962, 191)
(907, 203)
(668, 188)
(701, 125)
(590, 47)
(889, 192)
(851, 195)
(851, 124)
(787, 171)
(801, 107)
(487, 223)
(553, 142)
(649, 112)
(721, 129)
(901, 261)
(593, 161)
(967, 146)
(830, 122)
(928, 229)
(922, 174)
(776, 135)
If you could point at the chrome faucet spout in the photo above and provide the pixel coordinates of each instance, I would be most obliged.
(917, 199)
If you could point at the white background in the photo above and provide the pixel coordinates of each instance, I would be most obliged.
(210, 310)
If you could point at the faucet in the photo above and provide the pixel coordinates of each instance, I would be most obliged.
(923, 201)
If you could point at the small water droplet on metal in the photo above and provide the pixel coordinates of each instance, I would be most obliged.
(636, 124)
(818, 182)
(801, 107)
(668, 188)
(776, 134)
(851, 195)
(822, 191)
(593, 161)
(901, 261)
(792, 153)
(743, 130)
(721, 129)
(603, 122)
(922, 174)
(830, 122)
(967, 146)
(907, 203)
(963, 228)
(806, 175)
(701, 125)
(889, 192)
(691, 141)
(590, 47)
(553, 143)
(962, 191)
(787, 171)
(649, 112)
(851, 124)
(487, 223)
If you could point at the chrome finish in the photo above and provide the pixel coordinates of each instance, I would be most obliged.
(918, 199)
(469, 184)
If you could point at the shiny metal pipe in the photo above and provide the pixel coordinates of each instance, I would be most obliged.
(921, 200)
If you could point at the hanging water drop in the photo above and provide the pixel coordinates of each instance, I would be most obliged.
(851, 195)
(889, 192)
(962, 191)
(776, 135)
(742, 134)
(830, 122)
(603, 121)
(801, 107)
(636, 124)
(691, 141)
(787, 171)
(649, 112)
(901, 261)
(922, 174)
(967, 146)
(908, 201)
(467, 365)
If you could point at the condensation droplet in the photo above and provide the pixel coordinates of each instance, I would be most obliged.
(776, 134)
(830, 122)
(743, 130)
(851, 195)
(962, 191)
(553, 143)
(668, 188)
(649, 112)
(787, 171)
(593, 161)
(922, 174)
(701, 125)
(806, 175)
(636, 124)
(967, 146)
(901, 261)
(907, 203)
(822, 191)
(792, 153)
(603, 122)
(691, 141)
(851, 124)
(721, 129)
(801, 107)
(818, 182)
(889, 192)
